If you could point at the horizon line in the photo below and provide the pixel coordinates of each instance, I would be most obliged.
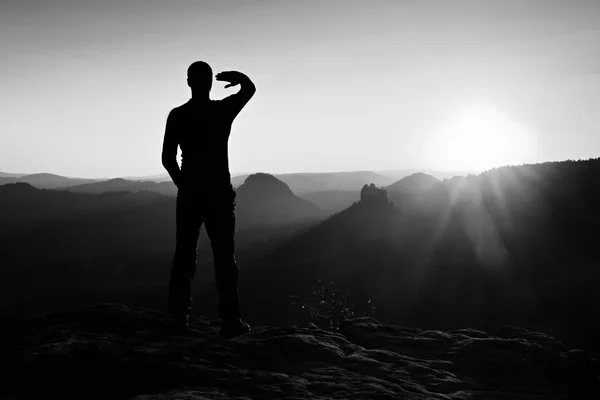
(234, 174)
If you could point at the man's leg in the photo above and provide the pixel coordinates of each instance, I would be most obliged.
(183, 268)
(220, 227)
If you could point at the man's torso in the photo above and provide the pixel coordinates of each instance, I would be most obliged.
(203, 131)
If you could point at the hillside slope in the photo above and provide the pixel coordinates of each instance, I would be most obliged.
(332, 201)
(265, 200)
(515, 245)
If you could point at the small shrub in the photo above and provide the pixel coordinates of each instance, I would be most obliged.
(328, 307)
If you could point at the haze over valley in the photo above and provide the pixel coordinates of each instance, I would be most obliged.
(478, 250)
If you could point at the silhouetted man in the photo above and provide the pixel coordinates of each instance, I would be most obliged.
(201, 127)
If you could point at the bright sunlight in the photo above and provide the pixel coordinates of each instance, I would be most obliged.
(479, 138)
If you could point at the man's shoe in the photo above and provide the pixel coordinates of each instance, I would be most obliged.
(235, 327)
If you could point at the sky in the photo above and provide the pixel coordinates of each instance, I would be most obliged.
(86, 86)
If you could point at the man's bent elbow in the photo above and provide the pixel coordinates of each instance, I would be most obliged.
(250, 89)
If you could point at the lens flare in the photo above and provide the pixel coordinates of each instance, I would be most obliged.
(481, 137)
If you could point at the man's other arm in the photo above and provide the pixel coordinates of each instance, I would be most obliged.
(169, 150)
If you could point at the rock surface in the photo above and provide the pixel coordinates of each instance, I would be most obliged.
(112, 351)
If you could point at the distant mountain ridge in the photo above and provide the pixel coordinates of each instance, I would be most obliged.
(299, 183)
(302, 183)
(329, 201)
(262, 201)
(333, 201)
(413, 183)
(46, 180)
(265, 200)
(396, 175)
(23, 202)
(10, 175)
(121, 184)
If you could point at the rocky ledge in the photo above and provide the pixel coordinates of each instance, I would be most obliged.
(110, 351)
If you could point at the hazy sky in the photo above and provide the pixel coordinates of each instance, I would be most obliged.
(341, 85)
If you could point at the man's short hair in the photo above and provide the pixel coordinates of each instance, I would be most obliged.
(200, 73)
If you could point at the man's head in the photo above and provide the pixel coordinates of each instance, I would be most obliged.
(199, 76)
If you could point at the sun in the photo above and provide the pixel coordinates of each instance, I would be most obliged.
(480, 137)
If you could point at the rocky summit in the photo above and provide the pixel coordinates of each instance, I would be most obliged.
(110, 351)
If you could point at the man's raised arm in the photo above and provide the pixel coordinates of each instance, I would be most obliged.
(237, 101)
(169, 150)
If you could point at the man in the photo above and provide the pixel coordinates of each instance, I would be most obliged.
(201, 128)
